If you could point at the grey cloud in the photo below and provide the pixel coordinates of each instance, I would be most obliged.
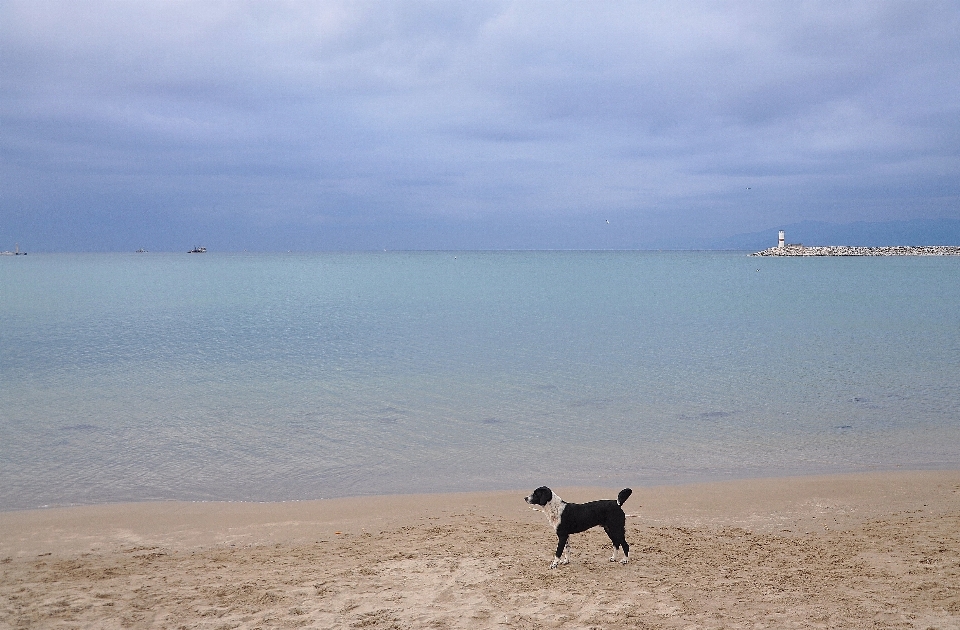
(425, 122)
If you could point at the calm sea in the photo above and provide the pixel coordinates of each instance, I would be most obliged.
(128, 377)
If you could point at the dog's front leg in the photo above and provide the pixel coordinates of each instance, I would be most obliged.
(561, 551)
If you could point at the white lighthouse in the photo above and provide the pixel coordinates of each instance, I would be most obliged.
(780, 243)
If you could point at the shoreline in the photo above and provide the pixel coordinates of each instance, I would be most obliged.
(189, 524)
(838, 551)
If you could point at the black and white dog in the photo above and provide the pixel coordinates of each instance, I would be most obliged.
(573, 518)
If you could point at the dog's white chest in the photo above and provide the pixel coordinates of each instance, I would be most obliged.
(553, 510)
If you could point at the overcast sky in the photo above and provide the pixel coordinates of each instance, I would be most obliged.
(446, 125)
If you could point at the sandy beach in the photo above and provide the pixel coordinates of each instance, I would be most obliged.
(879, 550)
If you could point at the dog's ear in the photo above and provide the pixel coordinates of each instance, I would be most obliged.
(543, 494)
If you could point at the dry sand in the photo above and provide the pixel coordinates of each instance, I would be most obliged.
(853, 551)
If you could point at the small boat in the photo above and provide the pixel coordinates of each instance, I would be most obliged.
(198, 250)
(141, 251)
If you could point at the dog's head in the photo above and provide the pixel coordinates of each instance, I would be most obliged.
(540, 496)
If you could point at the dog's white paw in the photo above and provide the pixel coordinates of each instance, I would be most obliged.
(553, 565)
(624, 561)
(565, 561)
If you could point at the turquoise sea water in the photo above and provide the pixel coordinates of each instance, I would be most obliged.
(127, 377)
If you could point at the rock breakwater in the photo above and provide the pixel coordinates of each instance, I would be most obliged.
(845, 250)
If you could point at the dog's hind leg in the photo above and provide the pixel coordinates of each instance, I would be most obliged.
(613, 558)
(626, 548)
(618, 538)
(616, 548)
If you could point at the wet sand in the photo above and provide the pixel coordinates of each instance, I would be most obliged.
(879, 550)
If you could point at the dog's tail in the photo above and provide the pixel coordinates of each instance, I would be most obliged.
(623, 496)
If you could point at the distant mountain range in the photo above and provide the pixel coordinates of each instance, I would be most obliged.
(859, 234)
